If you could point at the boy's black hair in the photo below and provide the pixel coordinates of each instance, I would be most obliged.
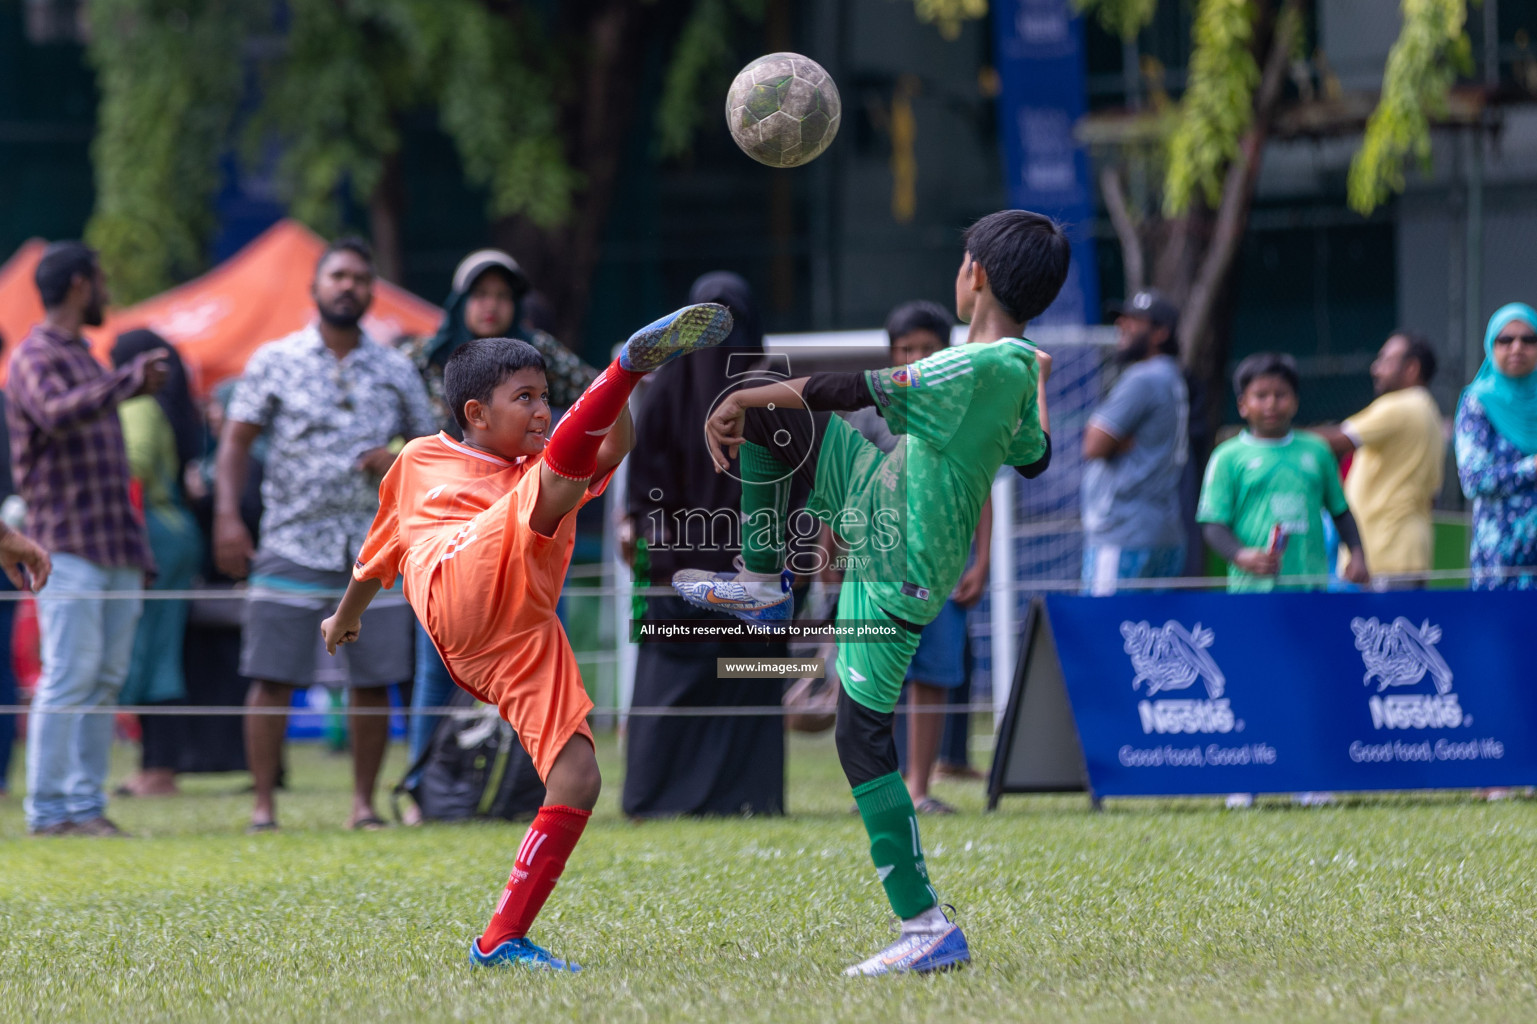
(1421, 351)
(57, 269)
(919, 315)
(347, 243)
(1266, 364)
(479, 366)
(1026, 256)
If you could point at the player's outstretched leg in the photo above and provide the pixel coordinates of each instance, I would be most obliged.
(930, 941)
(761, 592)
(573, 448)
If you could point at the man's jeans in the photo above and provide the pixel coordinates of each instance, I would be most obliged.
(87, 641)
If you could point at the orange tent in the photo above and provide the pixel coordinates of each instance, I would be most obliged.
(20, 307)
(216, 321)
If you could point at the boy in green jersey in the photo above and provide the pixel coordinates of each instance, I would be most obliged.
(1266, 489)
(907, 519)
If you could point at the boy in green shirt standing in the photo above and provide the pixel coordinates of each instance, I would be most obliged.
(1265, 489)
(907, 519)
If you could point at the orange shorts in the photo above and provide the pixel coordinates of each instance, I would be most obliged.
(490, 609)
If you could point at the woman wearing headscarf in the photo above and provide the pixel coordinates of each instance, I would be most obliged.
(677, 504)
(162, 433)
(1496, 439)
(488, 300)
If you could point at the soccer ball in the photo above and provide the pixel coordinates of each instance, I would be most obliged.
(783, 109)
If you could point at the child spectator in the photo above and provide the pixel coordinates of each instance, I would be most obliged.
(1264, 489)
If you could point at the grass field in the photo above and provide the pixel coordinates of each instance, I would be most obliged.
(1387, 909)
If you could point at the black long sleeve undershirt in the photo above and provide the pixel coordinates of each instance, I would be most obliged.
(835, 391)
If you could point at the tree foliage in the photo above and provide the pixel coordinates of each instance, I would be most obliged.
(949, 15)
(704, 55)
(1218, 104)
(1123, 18)
(1432, 48)
(511, 83)
(170, 79)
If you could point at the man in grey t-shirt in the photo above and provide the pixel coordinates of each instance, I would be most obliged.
(1135, 446)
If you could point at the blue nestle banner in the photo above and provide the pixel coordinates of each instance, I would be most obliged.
(1213, 693)
(1042, 94)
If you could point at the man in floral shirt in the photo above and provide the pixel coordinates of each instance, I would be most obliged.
(331, 401)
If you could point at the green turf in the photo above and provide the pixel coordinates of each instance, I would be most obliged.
(1391, 909)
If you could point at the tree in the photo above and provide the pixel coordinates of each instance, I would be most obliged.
(537, 98)
(1209, 146)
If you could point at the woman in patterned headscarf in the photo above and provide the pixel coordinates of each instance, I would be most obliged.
(1497, 452)
(490, 300)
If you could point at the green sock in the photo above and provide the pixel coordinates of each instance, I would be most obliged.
(765, 501)
(887, 811)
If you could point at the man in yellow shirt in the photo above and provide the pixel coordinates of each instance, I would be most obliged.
(1399, 445)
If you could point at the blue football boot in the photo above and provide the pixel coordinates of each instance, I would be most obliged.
(692, 327)
(520, 953)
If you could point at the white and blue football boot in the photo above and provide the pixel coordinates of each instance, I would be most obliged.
(917, 953)
(723, 592)
(686, 330)
(520, 953)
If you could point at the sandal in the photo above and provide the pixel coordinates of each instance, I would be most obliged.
(372, 823)
(932, 805)
(258, 827)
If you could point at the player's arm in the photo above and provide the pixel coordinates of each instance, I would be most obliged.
(1034, 469)
(1031, 470)
(968, 591)
(724, 430)
(347, 621)
(1356, 570)
(19, 555)
(1221, 539)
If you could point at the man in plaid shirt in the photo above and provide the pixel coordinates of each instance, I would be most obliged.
(71, 466)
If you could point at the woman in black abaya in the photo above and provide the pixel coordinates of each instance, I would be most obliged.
(703, 765)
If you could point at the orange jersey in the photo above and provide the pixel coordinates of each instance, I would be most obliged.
(453, 521)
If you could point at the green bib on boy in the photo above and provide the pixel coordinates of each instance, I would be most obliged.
(1254, 484)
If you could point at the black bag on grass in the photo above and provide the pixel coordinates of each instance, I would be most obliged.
(473, 767)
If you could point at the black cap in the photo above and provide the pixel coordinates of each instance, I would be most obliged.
(1149, 304)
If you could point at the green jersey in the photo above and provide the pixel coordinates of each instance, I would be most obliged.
(1254, 485)
(908, 517)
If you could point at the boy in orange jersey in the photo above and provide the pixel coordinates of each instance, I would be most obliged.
(482, 532)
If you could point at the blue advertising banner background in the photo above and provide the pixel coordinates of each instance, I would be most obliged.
(1195, 693)
(1039, 53)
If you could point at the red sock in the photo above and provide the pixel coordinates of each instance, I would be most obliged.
(541, 859)
(573, 448)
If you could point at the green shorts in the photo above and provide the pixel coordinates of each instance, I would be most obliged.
(872, 671)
